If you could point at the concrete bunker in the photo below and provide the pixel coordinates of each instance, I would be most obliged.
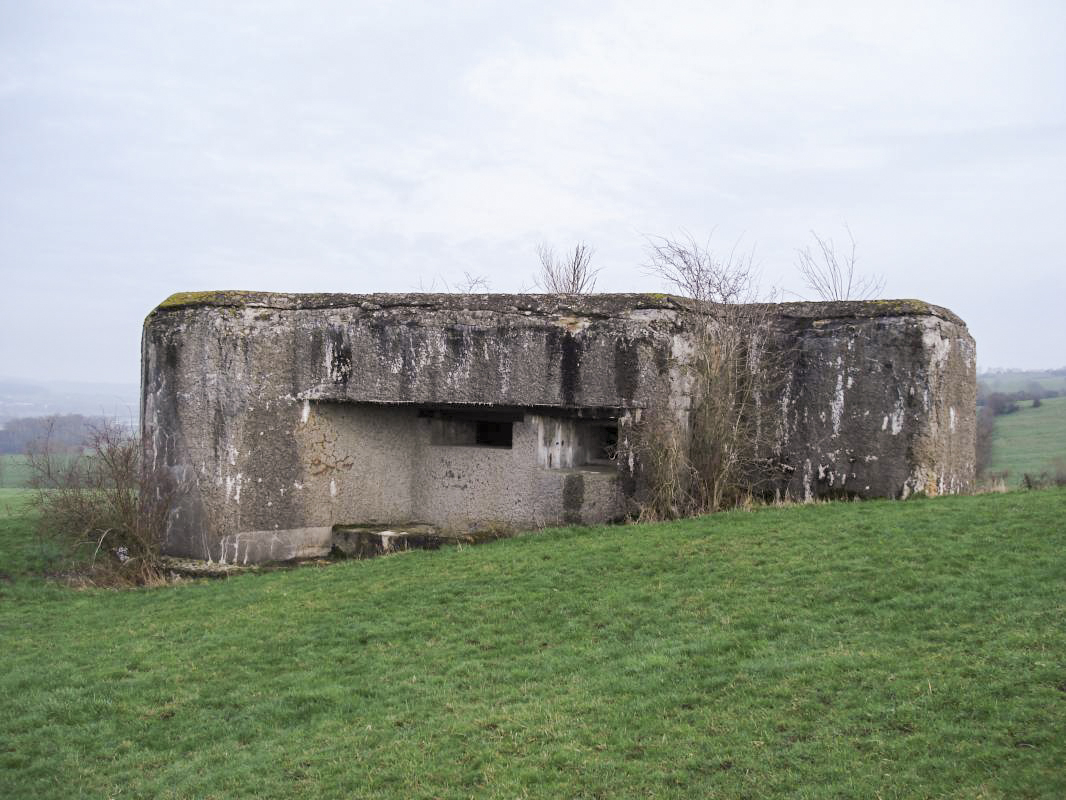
(285, 419)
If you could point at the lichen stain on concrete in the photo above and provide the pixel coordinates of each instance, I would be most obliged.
(570, 369)
(340, 356)
(573, 497)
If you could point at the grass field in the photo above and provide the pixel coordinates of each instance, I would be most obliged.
(1030, 439)
(14, 473)
(880, 649)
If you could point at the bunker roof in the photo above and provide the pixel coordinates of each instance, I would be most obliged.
(594, 305)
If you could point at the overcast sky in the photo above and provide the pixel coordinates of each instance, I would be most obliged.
(154, 147)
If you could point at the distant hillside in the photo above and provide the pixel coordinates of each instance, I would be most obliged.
(22, 398)
(1029, 440)
(1016, 380)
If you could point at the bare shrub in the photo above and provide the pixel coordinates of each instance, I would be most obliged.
(468, 284)
(571, 274)
(472, 284)
(1053, 475)
(107, 512)
(660, 440)
(1034, 480)
(994, 482)
(713, 454)
(831, 275)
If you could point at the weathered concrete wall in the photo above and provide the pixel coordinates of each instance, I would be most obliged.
(282, 413)
(281, 416)
(881, 401)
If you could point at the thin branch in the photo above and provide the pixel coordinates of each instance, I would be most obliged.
(472, 284)
(571, 274)
(831, 275)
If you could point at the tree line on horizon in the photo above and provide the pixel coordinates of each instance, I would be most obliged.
(62, 432)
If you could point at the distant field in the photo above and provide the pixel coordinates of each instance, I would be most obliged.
(850, 650)
(14, 474)
(1030, 439)
(1020, 381)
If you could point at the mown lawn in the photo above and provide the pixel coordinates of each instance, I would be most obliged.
(1030, 440)
(858, 650)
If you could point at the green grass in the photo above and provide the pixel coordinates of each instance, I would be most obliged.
(1030, 439)
(14, 471)
(879, 649)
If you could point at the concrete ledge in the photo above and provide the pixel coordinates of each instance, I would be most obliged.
(250, 547)
(362, 541)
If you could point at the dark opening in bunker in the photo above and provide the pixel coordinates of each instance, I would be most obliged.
(471, 428)
(493, 434)
(602, 443)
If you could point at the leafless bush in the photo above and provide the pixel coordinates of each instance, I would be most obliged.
(571, 274)
(994, 482)
(831, 275)
(714, 454)
(107, 512)
(660, 440)
(472, 284)
(468, 284)
(693, 270)
(1053, 475)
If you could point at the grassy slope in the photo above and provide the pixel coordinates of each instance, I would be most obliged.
(1029, 439)
(852, 650)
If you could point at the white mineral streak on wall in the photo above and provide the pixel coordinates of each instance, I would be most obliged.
(305, 413)
(556, 442)
(895, 419)
(836, 406)
(626, 423)
(280, 545)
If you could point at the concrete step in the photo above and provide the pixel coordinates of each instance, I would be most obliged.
(368, 541)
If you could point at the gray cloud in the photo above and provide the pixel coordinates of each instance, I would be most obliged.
(150, 148)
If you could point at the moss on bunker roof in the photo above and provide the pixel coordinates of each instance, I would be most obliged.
(598, 304)
(592, 305)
